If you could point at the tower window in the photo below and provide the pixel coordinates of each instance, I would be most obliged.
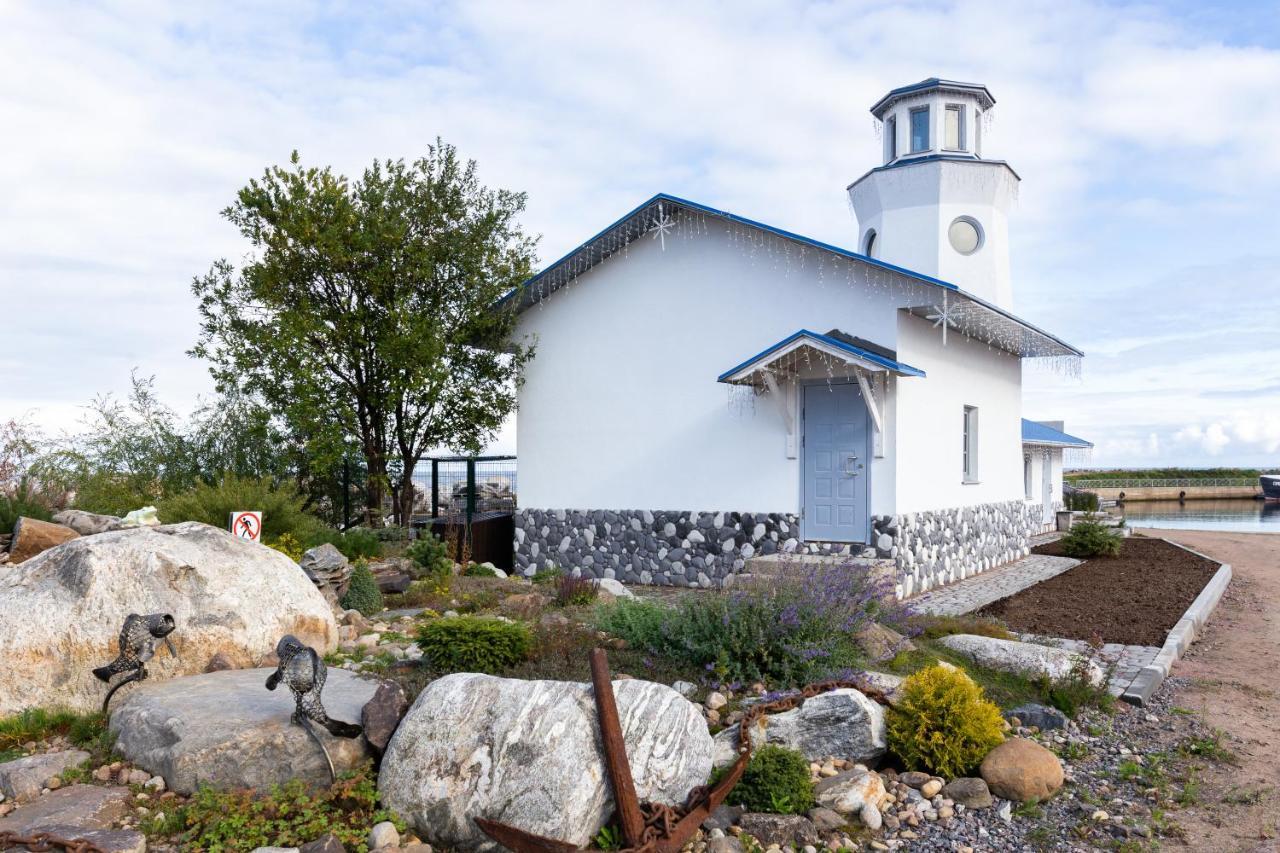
(869, 244)
(977, 132)
(953, 129)
(919, 129)
(965, 235)
(891, 138)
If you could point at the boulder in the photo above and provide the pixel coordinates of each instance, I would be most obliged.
(81, 806)
(783, 830)
(848, 792)
(471, 743)
(103, 840)
(328, 569)
(382, 713)
(1022, 770)
(879, 643)
(1030, 660)
(88, 523)
(225, 729)
(968, 791)
(22, 779)
(839, 723)
(32, 536)
(1041, 716)
(614, 588)
(226, 595)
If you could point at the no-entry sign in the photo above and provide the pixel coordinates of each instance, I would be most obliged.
(247, 525)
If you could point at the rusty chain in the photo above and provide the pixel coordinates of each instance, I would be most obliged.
(44, 842)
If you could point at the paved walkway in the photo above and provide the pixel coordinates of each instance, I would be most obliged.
(992, 585)
(978, 591)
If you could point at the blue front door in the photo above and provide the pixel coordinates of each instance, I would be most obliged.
(836, 464)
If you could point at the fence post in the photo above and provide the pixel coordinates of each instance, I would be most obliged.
(471, 492)
(435, 488)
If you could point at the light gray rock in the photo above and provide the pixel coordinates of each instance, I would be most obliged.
(684, 688)
(849, 791)
(22, 779)
(615, 588)
(1026, 659)
(83, 806)
(471, 743)
(384, 835)
(105, 840)
(328, 569)
(87, 523)
(841, 723)
(225, 729)
(226, 594)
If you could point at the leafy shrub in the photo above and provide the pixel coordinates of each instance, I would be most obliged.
(287, 544)
(282, 507)
(474, 644)
(1078, 500)
(1089, 537)
(942, 723)
(794, 630)
(431, 554)
(23, 501)
(571, 591)
(776, 780)
(363, 593)
(290, 815)
(356, 543)
(1076, 689)
(547, 576)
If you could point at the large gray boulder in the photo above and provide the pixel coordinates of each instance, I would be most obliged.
(841, 723)
(528, 754)
(226, 730)
(62, 610)
(1030, 660)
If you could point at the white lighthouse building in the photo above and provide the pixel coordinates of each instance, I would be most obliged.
(936, 205)
(874, 399)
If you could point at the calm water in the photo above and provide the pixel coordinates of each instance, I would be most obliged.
(1239, 516)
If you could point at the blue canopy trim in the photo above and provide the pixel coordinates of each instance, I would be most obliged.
(1034, 432)
(825, 343)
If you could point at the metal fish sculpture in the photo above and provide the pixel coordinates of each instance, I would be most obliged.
(303, 671)
(138, 640)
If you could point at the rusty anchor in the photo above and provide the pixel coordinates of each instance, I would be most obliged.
(656, 827)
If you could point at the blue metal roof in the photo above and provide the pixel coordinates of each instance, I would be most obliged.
(1034, 432)
(865, 354)
(978, 89)
(596, 249)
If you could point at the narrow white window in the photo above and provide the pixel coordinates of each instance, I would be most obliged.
(970, 444)
(954, 128)
(890, 138)
(919, 129)
(1026, 476)
(977, 132)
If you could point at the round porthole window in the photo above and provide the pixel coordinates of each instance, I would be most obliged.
(965, 235)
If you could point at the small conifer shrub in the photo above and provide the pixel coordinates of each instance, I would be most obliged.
(1089, 537)
(776, 780)
(474, 644)
(363, 593)
(943, 723)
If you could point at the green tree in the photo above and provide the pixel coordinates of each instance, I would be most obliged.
(367, 312)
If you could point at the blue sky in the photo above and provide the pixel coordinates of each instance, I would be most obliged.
(1147, 137)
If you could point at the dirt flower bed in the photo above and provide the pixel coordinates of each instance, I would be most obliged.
(1134, 598)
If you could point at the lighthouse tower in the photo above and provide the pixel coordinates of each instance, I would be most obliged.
(936, 205)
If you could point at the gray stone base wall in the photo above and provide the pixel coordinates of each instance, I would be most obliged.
(673, 548)
(944, 546)
(653, 546)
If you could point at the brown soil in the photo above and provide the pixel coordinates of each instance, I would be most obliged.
(1232, 669)
(1134, 598)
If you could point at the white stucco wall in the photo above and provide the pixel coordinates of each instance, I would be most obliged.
(930, 420)
(621, 409)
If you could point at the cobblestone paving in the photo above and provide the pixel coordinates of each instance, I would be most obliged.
(980, 590)
(992, 585)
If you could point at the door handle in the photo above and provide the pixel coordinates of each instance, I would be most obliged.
(849, 466)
